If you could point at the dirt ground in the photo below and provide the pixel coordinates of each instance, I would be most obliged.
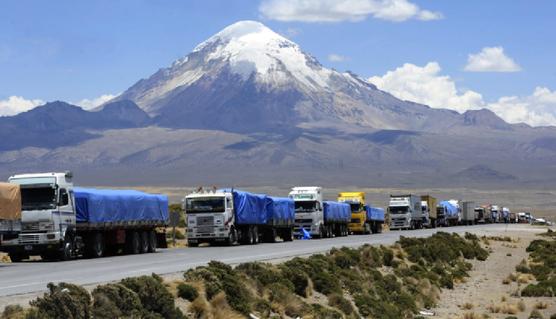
(485, 292)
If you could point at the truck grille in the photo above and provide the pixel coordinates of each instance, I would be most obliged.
(205, 229)
(205, 220)
(30, 227)
(355, 220)
(304, 221)
(28, 239)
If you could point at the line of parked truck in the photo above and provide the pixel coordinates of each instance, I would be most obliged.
(44, 214)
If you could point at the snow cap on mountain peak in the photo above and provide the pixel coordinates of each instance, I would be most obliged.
(252, 48)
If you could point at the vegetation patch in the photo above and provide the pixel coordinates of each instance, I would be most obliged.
(542, 265)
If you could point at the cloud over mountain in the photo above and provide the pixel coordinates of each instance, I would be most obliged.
(491, 59)
(344, 10)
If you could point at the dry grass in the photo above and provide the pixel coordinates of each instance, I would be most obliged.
(541, 305)
(505, 308)
(471, 315)
(525, 278)
(521, 306)
(467, 306)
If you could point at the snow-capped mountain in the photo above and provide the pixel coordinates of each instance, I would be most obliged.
(250, 106)
(249, 78)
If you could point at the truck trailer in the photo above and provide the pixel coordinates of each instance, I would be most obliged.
(60, 221)
(450, 212)
(405, 212)
(232, 216)
(10, 211)
(359, 223)
(468, 216)
(375, 218)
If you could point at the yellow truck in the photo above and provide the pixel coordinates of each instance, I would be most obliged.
(356, 200)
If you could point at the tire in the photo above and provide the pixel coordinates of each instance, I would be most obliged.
(271, 235)
(66, 253)
(232, 238)
(255, 235)
(133, 243)
(152, 241)
(192, 244)
(144, 240)
(368, 229)
(16, 257)
(288, 235)
(95, 247)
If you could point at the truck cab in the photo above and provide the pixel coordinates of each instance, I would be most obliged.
(309, 210)
(356, 201)
(405, 212)
(210, 217)
(48, 213)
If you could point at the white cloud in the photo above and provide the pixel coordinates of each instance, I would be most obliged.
(537, 109)
(491, 59)
(425, 85)
(336, 58)
(344, 10)
(88, 104)
(17, 104)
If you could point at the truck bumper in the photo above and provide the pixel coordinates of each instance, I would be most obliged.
(399, 223)
(216, 234)
(356, 227)
(31, 242)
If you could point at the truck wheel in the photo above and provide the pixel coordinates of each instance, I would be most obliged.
(272, 233)
(66, 253)
(134, 243)
(368, 229)
(288, 235)
(192, 244)
(144, 240)
(152, 241)
(255, 235)
(232, 237)
(95, 247)
(16, 257)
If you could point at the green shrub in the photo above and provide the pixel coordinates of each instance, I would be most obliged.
(325, 313)
(535, 314)
(187, 292)
(338, 301)
(154, 297)
(13, 312)
(64, 301)
(115, 301)
(299, 279)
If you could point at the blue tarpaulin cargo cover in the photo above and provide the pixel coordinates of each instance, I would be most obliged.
(374, 213)
(337, 212)
(280, 210)
(249, 208)
(450, 209)
(119, 206)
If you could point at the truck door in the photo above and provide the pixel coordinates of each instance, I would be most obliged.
(66, 208)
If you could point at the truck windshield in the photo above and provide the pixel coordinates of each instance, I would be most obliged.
(38, 197)
(399, 209)
(305, 206)
(355, 207)
(205, 205)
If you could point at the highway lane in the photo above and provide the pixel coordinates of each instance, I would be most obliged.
(33, 276)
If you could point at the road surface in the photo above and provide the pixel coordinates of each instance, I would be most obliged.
(33, 276)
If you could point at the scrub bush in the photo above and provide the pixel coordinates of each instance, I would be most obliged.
(154, 296)
(63, 301)
(187, 292)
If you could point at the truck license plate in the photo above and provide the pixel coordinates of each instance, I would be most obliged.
(28, 247)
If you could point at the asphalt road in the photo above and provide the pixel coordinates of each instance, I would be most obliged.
(33, 276)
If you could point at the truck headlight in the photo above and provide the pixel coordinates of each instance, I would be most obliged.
(46, 226)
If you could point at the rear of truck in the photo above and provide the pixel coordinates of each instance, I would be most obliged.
(451, 213)
(375, 218)
(10, 211)
(280, 220)
(336, 218)
(356, 201)
(428, 204)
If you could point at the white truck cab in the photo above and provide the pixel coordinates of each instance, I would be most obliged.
(47, 212)
(210, 217)
(309, 213)
(406, 212)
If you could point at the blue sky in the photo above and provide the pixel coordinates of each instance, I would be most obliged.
(75, 50)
